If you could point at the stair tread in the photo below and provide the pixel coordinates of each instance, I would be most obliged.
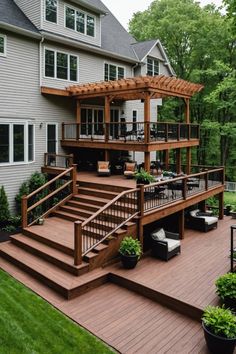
(48, 270)
(84, 204)
(91, 255)
(68, 207)
(100, 247)
(91, 198)
(98, 191)
(77, 217)
(63, 257)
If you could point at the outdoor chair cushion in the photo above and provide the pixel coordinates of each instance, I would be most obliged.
(209, 220)
(130, 167)
(158, 235)
(172, 244)
(103, 165)
(104, 170)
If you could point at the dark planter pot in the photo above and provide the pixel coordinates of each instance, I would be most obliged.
(229, 303)
(227, 211)
(140, 181)
(218, 345)
(129, 262)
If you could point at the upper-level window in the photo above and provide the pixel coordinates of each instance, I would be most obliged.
(16, 142)
(3, 44)
(152, 67)
(79, 21)
(51, 10)
(113, 72)
(61, 65)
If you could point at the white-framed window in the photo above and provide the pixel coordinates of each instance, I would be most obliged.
(113, 72)
(16, 142)
(50, 14)
(60, 65)
(79, 21)
(3, 45)
(153, 66)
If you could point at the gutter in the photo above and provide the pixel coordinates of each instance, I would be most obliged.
(19, 30)
(86, 47)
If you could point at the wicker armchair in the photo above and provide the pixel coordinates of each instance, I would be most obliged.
(165, 244)
(104, 168)
(201, 221)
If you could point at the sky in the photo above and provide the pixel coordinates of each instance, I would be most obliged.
(124, 9)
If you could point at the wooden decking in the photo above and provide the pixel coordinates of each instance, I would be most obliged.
(148, 309)
(114, 180)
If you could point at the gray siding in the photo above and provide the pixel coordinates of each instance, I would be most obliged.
(20, 99)
(91, 67)
(156, 53)
(32, 11)
(60, 28)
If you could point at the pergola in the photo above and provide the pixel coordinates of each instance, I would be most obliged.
(142, 88)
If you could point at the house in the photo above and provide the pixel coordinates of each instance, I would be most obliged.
(56, 44)
(73, 81)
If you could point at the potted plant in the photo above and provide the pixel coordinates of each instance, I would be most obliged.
(227, 209)
(219, 325)
(144, 177)
(233, 212)
(226, 289)
(130, 250)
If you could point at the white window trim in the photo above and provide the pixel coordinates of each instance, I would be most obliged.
(57, 135)
(44, 11)
(117, 66)
(152, 58)
(55, 65)
(26, 141)
(4, 54)
(85, 28)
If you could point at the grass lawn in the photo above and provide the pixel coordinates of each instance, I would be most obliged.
(28, 324)
(230, 198)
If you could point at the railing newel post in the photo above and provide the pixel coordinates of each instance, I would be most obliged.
(74, 179)
(63, 131)
(77, 243)
(206, 180)
(24, 207)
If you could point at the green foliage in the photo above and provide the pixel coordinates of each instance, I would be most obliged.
(4, 207)
(28, 325)
(130, 246)
(24, 190)
(220, 321)
(230, 198)
(36, 180)
(9, 228)
(144, 177)
(226, 286)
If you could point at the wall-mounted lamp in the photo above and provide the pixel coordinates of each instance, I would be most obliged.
(40, 125)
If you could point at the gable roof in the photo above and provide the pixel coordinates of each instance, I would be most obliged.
(143, 48)
(94, 5)
(11, 15)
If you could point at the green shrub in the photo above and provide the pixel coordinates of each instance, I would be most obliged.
(36, 181)
(220, 321)
(130, 246)
(226, 286)
(4, 207)
(144, 177)
(24, 190)
(9, 228)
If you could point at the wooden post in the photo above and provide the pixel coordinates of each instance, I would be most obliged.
(63, 131)
(202, 205)
(206, 181)
(71, 160)
(78, 112)
(178, 161)
(147, 161)
(147, 106)
(221, 206)
(24, 207)
(181, 224)
(166, 132)
(184, 186)
(187, 111)
(77, 243)
(74, 189)
(107, 116)
(45, 159)
(141, 211)
(107, 155)
(167, 159)
(188, 158)
(178, 132)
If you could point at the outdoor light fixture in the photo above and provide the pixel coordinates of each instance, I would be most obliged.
(40, 125)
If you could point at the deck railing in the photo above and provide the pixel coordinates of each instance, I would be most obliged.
(47, 198)
(165, 192)
(108, 220)
(139, 132)
(58, 160)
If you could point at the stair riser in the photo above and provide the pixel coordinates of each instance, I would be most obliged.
(67, 217)
(50, 283)
(84, 206)
(48, 242)
(84, 213)
(87, 287)
(49, 258)
(83, 199)
(104, 187)
(95, 193)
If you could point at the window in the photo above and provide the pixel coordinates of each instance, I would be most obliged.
(152, 67)
(16, 143)
(3, 40)
(61, 65)
(113, 72)
(51, 11)
(79, 21)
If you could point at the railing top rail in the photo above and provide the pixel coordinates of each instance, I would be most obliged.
(92, 217)
(59, 155)
(131, 122)
(171, 180)
(49, 183)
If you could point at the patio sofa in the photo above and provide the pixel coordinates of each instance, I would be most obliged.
(165, 244)
(202, 221)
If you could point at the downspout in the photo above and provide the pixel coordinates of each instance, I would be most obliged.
(40, 61)
(134, 67)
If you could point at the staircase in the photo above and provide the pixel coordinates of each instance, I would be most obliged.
(47, 251)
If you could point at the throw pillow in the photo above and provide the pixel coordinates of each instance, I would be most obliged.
(158, 235)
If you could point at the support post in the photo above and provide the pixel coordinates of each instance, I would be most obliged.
(78, 112)
(221, 206)
(24, 208)
(202, 206)
(141, 212)
(63, 131)
(188, 158)
(167, 156)
(206, 181)
(73, 176)
(181, 224)
(147, 106)
(107, 116)
(147, 161)
(178, 161)
(77, 243)
(187, 111)
(107, 155)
